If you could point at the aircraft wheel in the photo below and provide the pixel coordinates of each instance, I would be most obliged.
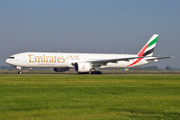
(83, 72)
(99, 72)
(93, 72)
(96, 72)
(19, 72)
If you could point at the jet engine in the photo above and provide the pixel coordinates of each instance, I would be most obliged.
(82, 67)
(61, 69)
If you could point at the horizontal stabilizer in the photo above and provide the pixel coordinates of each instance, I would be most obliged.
(157, 58)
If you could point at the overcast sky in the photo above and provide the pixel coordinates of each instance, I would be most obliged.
(92, 26)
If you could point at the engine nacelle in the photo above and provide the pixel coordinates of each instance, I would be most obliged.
(82, 67)
(61, 69)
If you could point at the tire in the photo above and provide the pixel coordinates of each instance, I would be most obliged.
(83, 72)
(96, 72)
(92, 72)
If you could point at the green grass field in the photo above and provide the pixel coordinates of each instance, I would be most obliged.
(102, 97)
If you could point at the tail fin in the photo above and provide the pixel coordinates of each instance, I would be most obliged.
(148, 49)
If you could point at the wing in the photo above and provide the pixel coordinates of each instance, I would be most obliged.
(104, 62)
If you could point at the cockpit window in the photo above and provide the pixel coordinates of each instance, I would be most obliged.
(11, 57)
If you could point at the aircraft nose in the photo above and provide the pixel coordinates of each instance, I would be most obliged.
(7, 61)
(10, 60)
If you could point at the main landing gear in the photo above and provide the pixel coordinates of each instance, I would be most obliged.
(96, 72)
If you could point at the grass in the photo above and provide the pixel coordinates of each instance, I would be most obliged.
(104, 97)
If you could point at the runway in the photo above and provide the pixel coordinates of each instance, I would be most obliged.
(90, 74)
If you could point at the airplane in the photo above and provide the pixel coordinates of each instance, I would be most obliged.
(85, 62)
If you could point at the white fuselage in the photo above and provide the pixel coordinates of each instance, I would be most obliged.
(58, 60)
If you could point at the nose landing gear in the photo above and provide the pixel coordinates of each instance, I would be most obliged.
(17, 67)
(19, 72)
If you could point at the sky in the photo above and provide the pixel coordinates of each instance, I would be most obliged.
(90, 26)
